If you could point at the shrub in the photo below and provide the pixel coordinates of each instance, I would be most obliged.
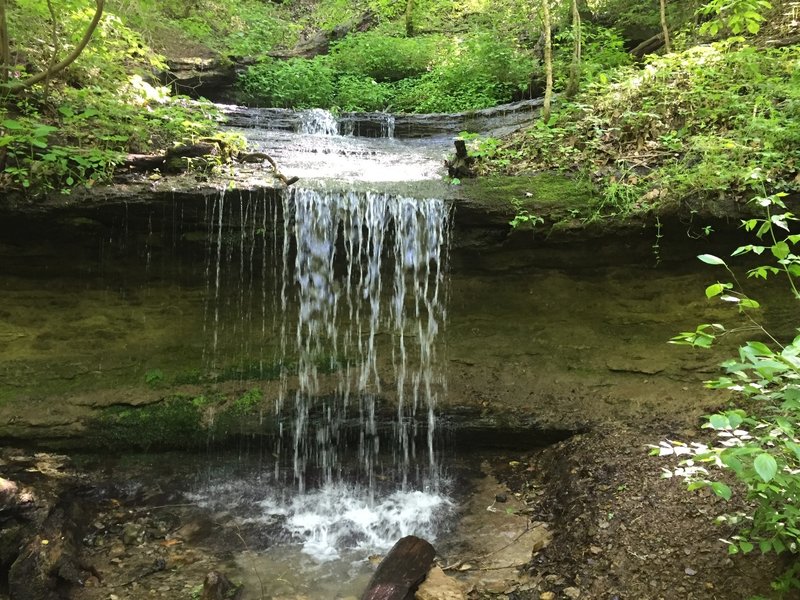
(294, 83)
(484, 70)
(362, 94)
(384, 57)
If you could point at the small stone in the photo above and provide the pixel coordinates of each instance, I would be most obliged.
(547, 596)
(709, 585)
(501, 498)
(690, 572)
(572, 593)
(130, 534)
(595, 549)
(603, 524)
(163, 588)
(439, 586)
(113, 597)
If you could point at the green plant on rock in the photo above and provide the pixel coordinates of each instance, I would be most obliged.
(759, 445)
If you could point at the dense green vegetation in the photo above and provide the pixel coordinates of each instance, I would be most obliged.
(634, 126)
(689, 126)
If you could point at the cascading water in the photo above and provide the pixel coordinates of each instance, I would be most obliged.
(317, 121)
(333, 300)
(341, 317)
(358, 281)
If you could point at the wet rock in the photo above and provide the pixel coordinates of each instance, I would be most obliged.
(197, 529)
(50, 561)
(131, 534)
(218, 587)
(439, 586)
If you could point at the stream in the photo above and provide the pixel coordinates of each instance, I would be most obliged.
(358, 375)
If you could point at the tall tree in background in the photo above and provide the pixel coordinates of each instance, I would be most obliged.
(410, 18)
(575, 67)
(548, 61)
(54, 68)
(5, 44)
(664, 27)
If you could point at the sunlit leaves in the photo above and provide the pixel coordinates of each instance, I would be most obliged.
(710, 259)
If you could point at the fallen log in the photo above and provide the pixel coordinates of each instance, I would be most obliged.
(648, 46)
(143, 162)
(179, 158)
(402, 570)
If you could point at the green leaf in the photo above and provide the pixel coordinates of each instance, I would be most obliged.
(710, 259)
(735, 419)
(13, 125)
(780, 250)
(765, 466)
(749, 303)
(718, 422)
(714, 290)
(724, 492)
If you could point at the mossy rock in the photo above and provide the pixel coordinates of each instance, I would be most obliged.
(552, 197)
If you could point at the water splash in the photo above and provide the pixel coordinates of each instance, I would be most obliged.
(317, 121)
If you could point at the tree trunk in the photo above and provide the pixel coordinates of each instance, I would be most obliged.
(5, 44)
(76, 52)
(664, 27)
(575, 67)
(410, 18)
(548, 61)
(401, 571)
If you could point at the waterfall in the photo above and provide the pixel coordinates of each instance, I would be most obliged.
(369, 286)
(344, 294)
(317, 121)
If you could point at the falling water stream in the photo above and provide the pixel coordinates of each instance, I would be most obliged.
(346, 291)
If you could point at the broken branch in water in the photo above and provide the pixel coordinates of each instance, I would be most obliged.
(254, 157)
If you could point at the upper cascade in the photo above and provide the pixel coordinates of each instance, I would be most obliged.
(497, 120)
(318, 121)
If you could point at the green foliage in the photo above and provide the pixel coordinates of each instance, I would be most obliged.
(401, 74)
(734, 16)
(361, 94)
(384, 57)
(480, 71)
(231, 27)
(687, 126)
(77, 128)
(760, 446)
(603, 50)
(294, 83)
